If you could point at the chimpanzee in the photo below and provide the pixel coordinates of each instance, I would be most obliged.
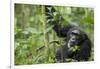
(77, 44)
(75, 38)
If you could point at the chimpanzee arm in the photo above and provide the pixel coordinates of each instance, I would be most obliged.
(62, 53)
(50, 18)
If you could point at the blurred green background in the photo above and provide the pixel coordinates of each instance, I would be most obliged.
(35, 42)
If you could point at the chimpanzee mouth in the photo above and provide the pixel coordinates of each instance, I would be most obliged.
(72, 44)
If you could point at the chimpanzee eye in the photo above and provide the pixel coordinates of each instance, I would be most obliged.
(74, 33)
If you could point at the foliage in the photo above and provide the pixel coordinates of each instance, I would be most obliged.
(35, 41)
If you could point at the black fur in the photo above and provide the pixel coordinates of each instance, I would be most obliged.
(81, 39)
(84, 44)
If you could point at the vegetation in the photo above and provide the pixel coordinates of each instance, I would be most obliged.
(35, 40)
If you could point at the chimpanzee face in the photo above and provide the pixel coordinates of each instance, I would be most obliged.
(74, 38)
